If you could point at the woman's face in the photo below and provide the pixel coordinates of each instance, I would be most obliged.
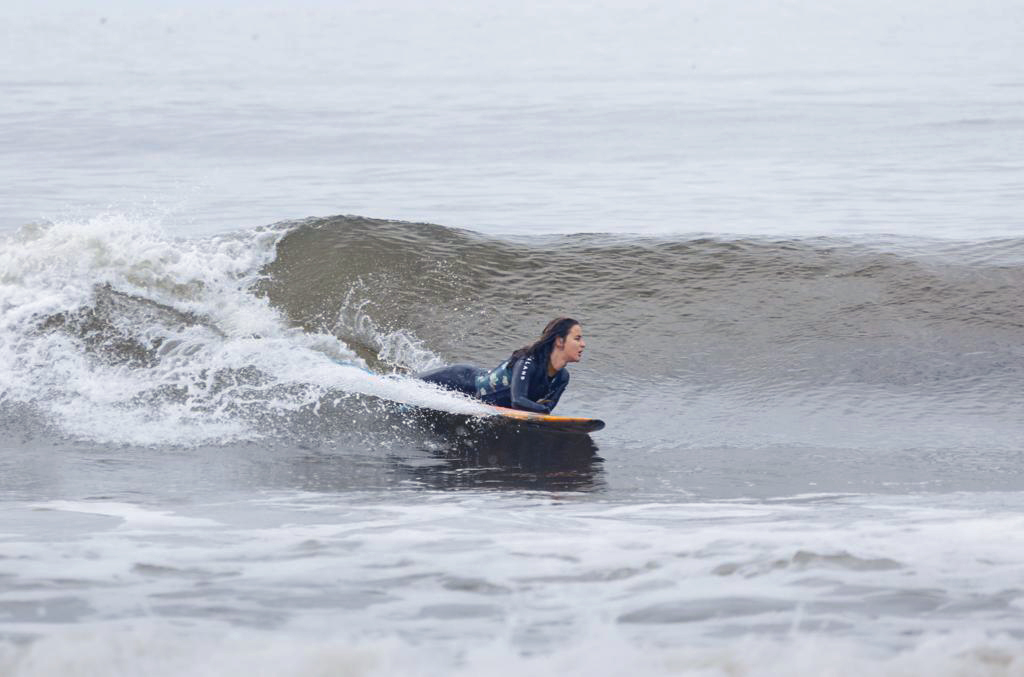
(572, 345)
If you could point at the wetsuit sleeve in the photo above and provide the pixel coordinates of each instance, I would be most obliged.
(552, 399)
(520, 389)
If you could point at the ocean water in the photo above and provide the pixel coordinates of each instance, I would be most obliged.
(794, 236)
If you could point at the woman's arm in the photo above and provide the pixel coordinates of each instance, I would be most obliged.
(556, 392)
(522, 374)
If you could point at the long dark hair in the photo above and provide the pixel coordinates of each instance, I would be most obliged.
(541, 348)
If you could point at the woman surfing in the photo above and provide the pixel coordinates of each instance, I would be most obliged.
(532, 378)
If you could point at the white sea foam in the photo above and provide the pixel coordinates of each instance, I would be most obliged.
(160, 648)
(131, 515)
(191, 302)
(307, 585)
(396, 348)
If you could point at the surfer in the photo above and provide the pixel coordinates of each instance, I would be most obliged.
(532, 378)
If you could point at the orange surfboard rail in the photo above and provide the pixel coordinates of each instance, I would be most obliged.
(562, 423)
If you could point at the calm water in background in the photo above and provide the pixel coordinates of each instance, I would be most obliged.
(794, 234)
(800, 118)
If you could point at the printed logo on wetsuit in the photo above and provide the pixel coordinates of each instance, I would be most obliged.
(526, 365)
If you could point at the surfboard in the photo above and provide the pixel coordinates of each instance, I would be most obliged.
(566, 424)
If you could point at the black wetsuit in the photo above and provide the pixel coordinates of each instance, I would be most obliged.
(519, 384)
